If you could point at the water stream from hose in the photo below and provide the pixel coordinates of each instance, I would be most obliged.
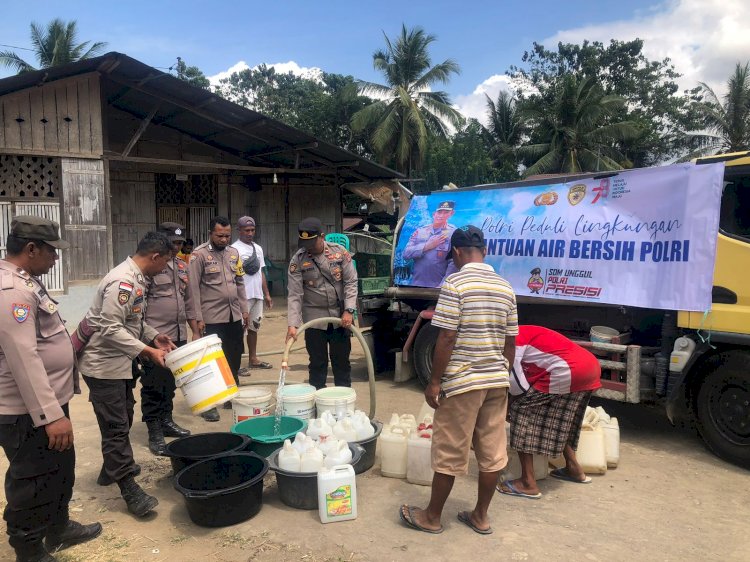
(279, 402)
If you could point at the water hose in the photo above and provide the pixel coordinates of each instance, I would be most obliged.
(323, 322)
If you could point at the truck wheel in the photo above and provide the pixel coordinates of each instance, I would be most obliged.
(722, 406)
(424, 347)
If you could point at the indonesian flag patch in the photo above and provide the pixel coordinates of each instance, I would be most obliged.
(125, 286)
(21, 312)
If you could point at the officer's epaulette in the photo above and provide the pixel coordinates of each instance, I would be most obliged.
(6, 280)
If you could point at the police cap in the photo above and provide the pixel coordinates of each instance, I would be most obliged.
(38, 228)
(447, 206)
(175, 232)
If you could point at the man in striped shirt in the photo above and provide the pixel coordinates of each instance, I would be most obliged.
(478, 322)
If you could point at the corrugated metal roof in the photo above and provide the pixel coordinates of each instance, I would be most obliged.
(256, 139)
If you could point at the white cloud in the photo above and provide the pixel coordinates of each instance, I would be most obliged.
(475, 104)
(703, 38)
(313, 73)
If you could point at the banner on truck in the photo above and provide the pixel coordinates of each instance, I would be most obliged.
(642, 238)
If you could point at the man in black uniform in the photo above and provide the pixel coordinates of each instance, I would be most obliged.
(167, 298)
(37, 380)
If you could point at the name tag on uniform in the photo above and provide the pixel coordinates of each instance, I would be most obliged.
(212, 269)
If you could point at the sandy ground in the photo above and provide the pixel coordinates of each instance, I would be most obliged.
(668, 500)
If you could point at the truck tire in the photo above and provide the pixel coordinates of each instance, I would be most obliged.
(424, 347)
(722, 406)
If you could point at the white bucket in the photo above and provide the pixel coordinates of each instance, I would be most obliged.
(252, 402)
(202, 373)
(603, 334)
(298, 401)
(337, 400)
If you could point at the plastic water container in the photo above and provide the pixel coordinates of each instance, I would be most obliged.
(591, 453)
(298, 401)
(336, 399)
(339, 455)
(611, 441)
(603, 334)
(311, 460)
(345, 431)
(419, 460)
(408, 421)
(393, 452)
(202, 373)
(426, 411)
(681, 353)
(337, 494)
(252, 402)
(289, 457)
(329, 445)
(317, 427)
(512, 470)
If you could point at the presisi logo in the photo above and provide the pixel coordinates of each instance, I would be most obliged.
(558, 286)
(577, 193)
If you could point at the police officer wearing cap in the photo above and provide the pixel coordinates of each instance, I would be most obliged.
(429, 246)
(219, 303)
(322, 282)
(120, 334)
(167, 298)
(37, 380)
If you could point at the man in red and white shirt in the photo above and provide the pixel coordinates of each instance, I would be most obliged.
(552, 381)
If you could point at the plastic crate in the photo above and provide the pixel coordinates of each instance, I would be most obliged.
(373, 285)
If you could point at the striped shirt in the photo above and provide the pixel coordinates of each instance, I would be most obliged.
(481, 306)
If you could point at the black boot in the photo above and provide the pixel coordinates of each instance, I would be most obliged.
(139, 502)
(34, 552)
(156, 443)
(211, 416)
(104, 480)
(171, 429)
(71, 534)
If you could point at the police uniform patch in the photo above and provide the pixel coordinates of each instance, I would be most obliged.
(292, 268)
(136, 310)
(138, 300)
(232, 258)
(337, 275)
(239, 271)
(306, 263)
(139, 292)
(125, 286)
(51, 307)
(29, 283)
(123, 297)
(139, 278)
(212, 269)
(21, 312)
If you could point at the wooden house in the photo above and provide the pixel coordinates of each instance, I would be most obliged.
(109, 147)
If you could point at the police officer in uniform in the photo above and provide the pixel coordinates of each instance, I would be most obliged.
(429, 247)
(106, 362)
(322, 282)
(37, 380)
(219, 305)
(167, 298)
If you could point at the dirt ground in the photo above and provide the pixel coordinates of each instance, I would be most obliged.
(668, 500)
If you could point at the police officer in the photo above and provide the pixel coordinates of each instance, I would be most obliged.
(429, 247)
(322, 282)
(219, 304)
(120, 334)
(167, 298)
(37, 380)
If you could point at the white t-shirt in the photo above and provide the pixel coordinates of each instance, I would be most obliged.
(253, 283)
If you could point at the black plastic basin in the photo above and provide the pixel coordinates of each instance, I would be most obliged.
(223, 490)
(187, 450)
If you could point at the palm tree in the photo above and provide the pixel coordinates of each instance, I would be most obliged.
(727, 122)
(406, 109)
(54, 44)
(506, 128)
(573, 129)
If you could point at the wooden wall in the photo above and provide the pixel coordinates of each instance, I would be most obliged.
(85, 218)
(62, 118)
(133, 209)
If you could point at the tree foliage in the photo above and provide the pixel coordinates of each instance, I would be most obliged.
(191, 74)
(506, 129)
(406, 111)
(649, 89)
(575, 128)
(726, 120)
(322, 105)
(54, 44)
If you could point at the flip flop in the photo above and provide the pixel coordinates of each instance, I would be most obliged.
(562, 474)
(261, 365)
(410, 522)
(513, 491)
(465, 518)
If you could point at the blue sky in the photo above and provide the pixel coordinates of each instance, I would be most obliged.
(485, 38)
